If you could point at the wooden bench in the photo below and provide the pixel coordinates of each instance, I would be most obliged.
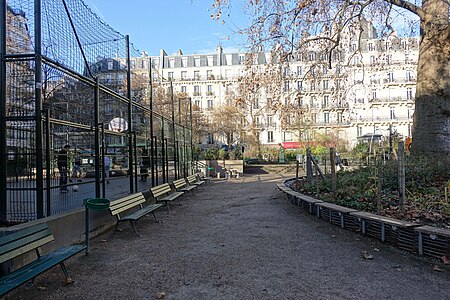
(163, 193)
(199, 180)
(27, 240)
(181, 185)
(120, 207)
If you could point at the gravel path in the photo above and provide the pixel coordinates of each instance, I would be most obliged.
(240, 239)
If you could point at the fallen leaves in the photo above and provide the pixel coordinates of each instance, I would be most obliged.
(160, 295)
(445, 260)
(436, 268)
(366, 255)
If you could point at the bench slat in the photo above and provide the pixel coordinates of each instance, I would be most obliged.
(26, 248)
(142, 212)
(160, 190)
(123, 204)
(22, 232)
(179, 183)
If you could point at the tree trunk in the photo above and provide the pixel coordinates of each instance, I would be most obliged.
(431, 129)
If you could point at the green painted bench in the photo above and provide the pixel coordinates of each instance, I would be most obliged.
(23, 242)
(120, 207)
(181, 185)
(164, 193)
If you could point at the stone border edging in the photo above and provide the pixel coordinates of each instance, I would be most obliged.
(410, 236)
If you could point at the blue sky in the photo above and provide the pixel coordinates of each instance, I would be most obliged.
(172, 24)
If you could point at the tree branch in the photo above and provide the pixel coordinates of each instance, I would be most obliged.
(408, 6)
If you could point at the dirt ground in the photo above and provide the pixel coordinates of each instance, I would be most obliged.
(240, 239)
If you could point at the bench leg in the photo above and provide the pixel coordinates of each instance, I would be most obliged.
(154, 216)
(115, 228)
(167, 204)
(64, 269)
(134, 227)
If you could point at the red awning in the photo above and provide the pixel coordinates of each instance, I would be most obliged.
(290, 145)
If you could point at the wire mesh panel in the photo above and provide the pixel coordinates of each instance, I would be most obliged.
(73, 89)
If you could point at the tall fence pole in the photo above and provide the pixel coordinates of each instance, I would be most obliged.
(130, 116)
(38, 108)
(401, 175)
(3, 134)
(192, 143)
(163, 150)
(174, 133)
(152, 151)
(47, 162)
(97, 139)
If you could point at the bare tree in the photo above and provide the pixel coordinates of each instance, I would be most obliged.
(294, 25)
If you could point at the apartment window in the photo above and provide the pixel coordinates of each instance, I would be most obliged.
(299, 70)
(286, 71)
(170, 75)
(110, 65)
(325, 70)
(210, 104)
(241, 59)
(197, 75)
(286, 86)
(374, 94)
(312, 56)
(389, 59)
(408, 76)
(183, 89)
(144, 64)
(338, 84)
(209, 90)
(392, 113)
(209, 74)
(257, 121)
(325, 101)
(256, 104)
(409, 95)
(198, 104)
(338, 69)
(359, 131)
(313, 86)
(314, 118)
(372, 59)
(183, 75)
(196, 61)
(269, 121)
(184, 62)
(299, 85)
(210, 61)
(171, 63)
(339, 117)
(391, 77)
(326, 117)
(270, 137)
(325, 84)
(133, 64)
(371, 47)
(196, 90)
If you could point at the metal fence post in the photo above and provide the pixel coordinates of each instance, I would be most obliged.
(3, 134)
(38, 108)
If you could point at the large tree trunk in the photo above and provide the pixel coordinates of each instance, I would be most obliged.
(431, 129)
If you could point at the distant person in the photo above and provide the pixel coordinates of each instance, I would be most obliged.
(62, 162)
(76, 168)
(145, 163)
(107, 165)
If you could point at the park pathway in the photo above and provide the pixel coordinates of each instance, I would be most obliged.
(241, 239)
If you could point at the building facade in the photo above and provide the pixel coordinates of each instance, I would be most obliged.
(368, 87)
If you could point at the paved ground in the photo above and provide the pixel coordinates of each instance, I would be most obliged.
(240, 239)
